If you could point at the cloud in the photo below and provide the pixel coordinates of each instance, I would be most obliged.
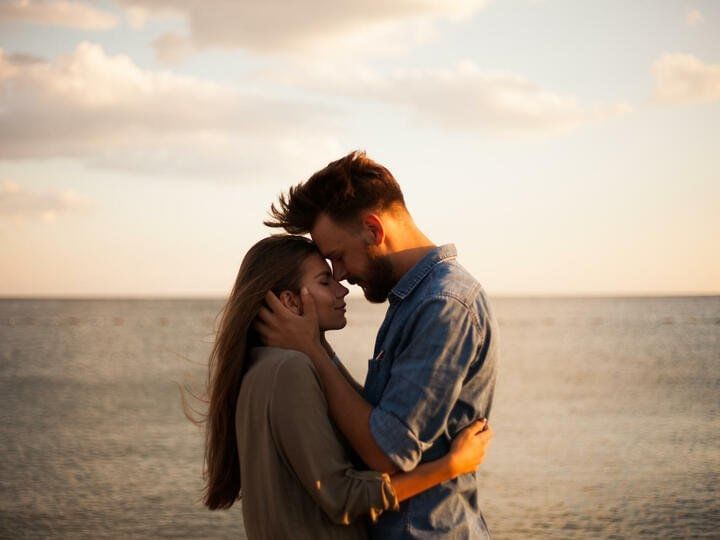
(108, 112)
(683, 78)
(24, 58)
(57, 13)
(694, 17)
(20, 205)
(171, 48)
(137, 16)
(277, 25)
(464, 98)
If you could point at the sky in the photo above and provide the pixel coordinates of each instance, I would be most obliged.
(565, 147)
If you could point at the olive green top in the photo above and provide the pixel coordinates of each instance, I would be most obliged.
(297, 480)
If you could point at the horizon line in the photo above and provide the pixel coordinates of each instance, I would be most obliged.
(215, 297)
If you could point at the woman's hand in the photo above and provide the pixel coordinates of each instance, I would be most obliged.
(468, 448)
(466, 453)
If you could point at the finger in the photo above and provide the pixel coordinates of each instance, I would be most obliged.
(261, 328)
(477, 426)
(486, 434)
(265, 315)
(273, 302)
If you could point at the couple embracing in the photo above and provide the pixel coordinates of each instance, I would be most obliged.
(316, 454)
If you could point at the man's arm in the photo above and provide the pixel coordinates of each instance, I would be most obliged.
(429, 371)
(280, 327)
(338, 363)
(350, 412)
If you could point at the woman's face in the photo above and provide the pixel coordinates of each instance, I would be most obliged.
(328, 294)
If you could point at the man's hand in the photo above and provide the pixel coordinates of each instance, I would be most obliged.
(280, 327)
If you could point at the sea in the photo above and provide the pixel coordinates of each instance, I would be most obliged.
(606, 417)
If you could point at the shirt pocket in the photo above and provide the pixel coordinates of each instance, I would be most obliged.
(374, 382)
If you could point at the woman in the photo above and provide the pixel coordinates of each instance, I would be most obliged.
(268, 421)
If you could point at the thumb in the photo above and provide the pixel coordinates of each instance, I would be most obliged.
(308, 303)
(478, 426)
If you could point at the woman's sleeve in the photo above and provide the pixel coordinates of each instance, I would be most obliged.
(309, 446)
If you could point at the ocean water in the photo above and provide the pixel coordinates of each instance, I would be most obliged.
(607, 417)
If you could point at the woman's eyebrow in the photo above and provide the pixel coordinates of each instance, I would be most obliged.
(324, 273)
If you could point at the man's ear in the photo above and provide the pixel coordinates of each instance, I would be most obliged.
(373, 230)
(290, 301)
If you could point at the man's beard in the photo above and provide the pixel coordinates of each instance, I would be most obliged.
(379, 278)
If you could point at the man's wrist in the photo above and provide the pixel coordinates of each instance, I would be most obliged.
(318, 353)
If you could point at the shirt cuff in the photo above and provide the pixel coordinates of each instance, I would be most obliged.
(395, 439)
(382, 497)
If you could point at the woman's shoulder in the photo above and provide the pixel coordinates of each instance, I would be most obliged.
(285, 365)
(283, 379)
(291, 382)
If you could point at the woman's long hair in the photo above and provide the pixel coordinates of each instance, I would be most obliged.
(273, 264)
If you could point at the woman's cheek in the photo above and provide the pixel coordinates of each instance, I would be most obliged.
(319, 295)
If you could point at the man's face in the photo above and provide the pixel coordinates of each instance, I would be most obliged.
(354, 258)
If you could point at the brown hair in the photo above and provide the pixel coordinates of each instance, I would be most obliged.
(274, 263)
(342, 190)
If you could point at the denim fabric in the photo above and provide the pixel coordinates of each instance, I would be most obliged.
(433, 374)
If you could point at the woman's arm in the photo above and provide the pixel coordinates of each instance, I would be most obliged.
(310, 446)
(466, 453)
(341, 367)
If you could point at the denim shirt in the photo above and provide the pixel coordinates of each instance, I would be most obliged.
(433, 374)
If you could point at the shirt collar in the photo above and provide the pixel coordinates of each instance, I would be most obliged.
(422, 268)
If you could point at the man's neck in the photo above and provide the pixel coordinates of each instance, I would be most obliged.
(407, 247)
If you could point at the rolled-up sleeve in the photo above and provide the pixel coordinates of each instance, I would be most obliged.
(441, 340)
(310, 447)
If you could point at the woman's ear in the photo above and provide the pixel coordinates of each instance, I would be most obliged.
(290, 301)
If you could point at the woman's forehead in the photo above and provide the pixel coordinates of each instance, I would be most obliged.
(315, 264)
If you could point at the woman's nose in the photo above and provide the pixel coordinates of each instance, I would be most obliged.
(340, 291)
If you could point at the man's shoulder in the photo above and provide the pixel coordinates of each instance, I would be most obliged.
(449, 279)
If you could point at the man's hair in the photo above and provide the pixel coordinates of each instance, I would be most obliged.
(342, 190)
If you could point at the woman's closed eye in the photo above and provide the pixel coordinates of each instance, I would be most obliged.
(324, 279)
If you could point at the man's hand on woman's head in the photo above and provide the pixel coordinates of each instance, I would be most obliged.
(278, 326)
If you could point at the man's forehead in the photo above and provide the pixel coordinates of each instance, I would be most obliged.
(327, 235)
(325, 246)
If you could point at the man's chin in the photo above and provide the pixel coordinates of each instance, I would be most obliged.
(374, 297)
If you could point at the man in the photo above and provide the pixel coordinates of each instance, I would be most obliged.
(434, 364)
